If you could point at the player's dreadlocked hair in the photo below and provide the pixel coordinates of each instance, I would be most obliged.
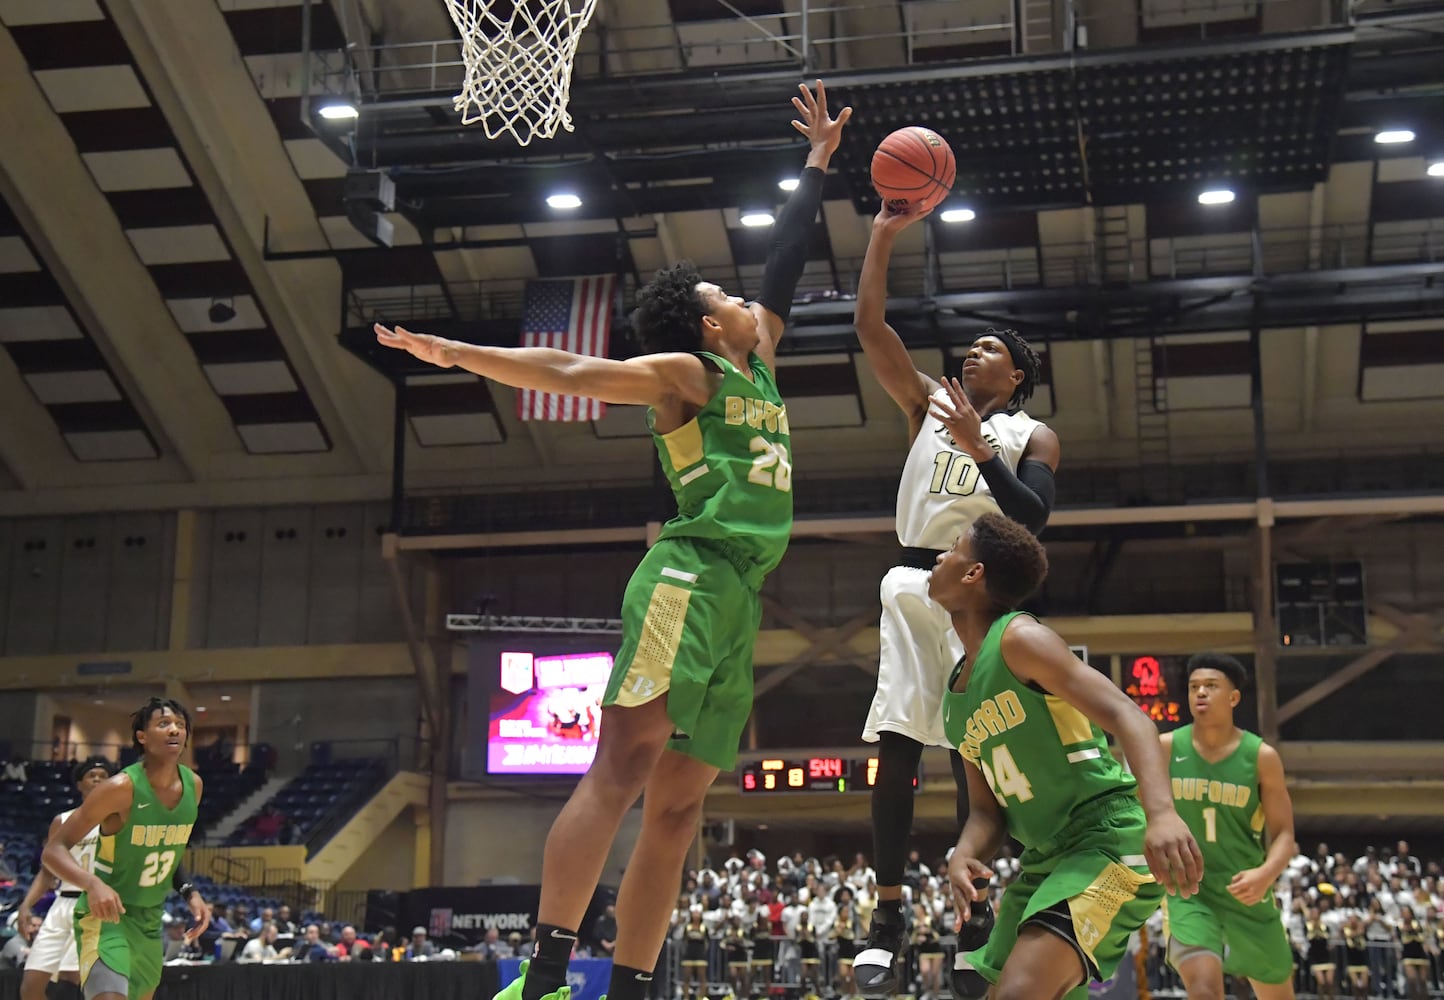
(1024, 357)
(1229, 666)
(142, 716)
(1015, 562)
(669, 311)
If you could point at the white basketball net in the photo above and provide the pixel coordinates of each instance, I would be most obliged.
(518, 59)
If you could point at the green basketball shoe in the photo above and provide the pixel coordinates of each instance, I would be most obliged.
(512, 990)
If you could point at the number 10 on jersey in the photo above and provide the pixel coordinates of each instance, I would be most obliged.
(954, 474)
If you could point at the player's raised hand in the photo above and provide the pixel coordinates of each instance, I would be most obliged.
(962, 872)
(822, 131)
(422, 346)
(1173, 855)
(105, 903)
(961, 420)
(889, 221)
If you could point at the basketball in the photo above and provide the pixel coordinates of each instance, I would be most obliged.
(913, 168)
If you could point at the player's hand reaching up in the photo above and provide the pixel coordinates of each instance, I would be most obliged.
(961, 420)
(890, 221)
(1173, 855)
(104, 902)
(420, 345)
(822, 131)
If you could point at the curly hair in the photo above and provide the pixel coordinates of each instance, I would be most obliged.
(669, 311)
(1014, 561)
(1025, 358)
(1230, 667)
(142, 716)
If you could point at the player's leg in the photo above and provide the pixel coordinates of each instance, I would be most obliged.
(904, 717)
(1258, 949)
(1201, 971)
(671, 810)
(1043, 965)
(105, 958)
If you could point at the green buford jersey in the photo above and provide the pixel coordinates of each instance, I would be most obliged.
(1042, 757)
(138, 860)
(730, 468)
(1221, 805)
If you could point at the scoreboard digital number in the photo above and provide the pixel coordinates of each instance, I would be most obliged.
(812, 774)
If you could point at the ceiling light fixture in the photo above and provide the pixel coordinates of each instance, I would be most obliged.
(1435, 169)
(1393, 136)
(958, 215)
(1217, 196)
(564, 200)
(338, 111)
(754, 219)
(225, 697)
(788, 183)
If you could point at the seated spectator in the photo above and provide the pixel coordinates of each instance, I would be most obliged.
(491, 947)
(285, 926)
(15, 770)
(177, 948)
(312, 949)
(352, 948)
(383, 946)
(419, 947)
(262, 948)
(17, 949)
(266, 828)
(268, 916)
(604, 932)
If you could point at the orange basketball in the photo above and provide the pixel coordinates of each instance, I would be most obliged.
(913, 169)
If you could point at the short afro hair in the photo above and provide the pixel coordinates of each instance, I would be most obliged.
(1229, 666)
(142, 716)
(1014, 561)
(669, 311)
(89, 764)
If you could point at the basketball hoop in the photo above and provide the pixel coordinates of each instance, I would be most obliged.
(518, 56)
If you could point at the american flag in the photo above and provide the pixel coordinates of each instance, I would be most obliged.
(570, 314)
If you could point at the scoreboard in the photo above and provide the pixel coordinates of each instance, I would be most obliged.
(811, 774)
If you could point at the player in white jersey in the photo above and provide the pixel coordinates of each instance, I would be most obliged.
(972, 451)
(53, 952)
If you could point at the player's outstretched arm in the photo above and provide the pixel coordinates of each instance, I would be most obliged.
(1251, 885)
(792, 231)
(885, 351)
(1036, 653)
(649, 380)
(113, 796)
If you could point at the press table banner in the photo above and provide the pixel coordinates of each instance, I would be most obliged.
(459, 916)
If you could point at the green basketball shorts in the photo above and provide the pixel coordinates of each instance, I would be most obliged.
(131, 949)
(1249, 940)
(1091, 887)
(689, 624)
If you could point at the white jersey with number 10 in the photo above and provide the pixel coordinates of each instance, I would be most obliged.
(941, 491)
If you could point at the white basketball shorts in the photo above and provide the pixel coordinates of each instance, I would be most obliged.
(919, 650)
(54, 949)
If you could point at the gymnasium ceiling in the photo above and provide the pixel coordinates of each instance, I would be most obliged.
(166, 167)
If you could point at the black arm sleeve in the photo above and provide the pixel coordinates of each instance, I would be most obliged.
(788, 253)
(1026, 497)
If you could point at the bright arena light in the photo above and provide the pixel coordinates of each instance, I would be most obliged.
(564, 200)
(958, 215)
(1436, 169)
(1393, 136)
(754, 219)
(337, 110)
(1219, 196)
(788, 184)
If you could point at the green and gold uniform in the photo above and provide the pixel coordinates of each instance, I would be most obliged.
(137, 861)
(1071, 805)
(1220, 803)
(691, 610)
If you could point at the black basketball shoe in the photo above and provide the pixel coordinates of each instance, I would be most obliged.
(967, 983)
(874, 969)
